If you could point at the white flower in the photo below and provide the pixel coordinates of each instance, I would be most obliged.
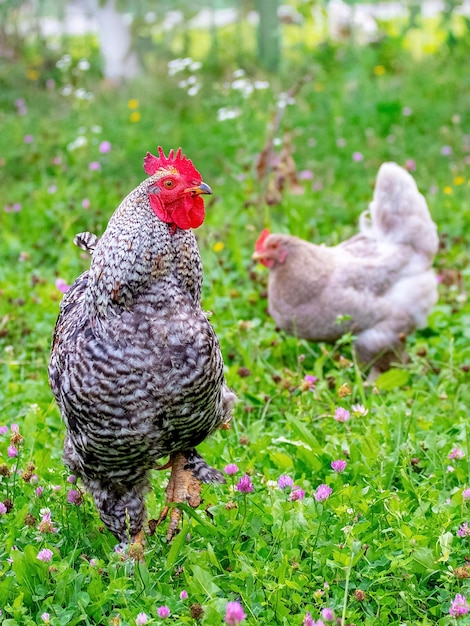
(243, 85)
(83, 94)
(66, 90)
(178, 65)
(284, 100)
(83, 65)
(64, 62)
(226, 113)
(78, 143)
(358, 409)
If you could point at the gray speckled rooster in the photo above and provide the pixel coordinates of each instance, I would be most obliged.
(136, 368)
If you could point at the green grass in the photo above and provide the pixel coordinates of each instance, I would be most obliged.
(383, 548)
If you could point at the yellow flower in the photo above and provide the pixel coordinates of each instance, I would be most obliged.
(319, 87)
(134, 117)
(379, 70)
(133, 104)
(448, 190)
(218, 247)
(459, 180)
(32, 74)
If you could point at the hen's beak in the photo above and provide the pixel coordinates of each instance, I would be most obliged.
(197, 191)
(256, 256)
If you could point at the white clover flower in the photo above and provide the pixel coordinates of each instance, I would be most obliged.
(83, 94)
(66, 90)
(243, 85)
(195, 65)
(192, 91)
(78, 143)
(83, 65)
(261, 84)
(284, 99)
(359, 409)
(226, 113)
(64, 62)
(173, 68)
(178, 65)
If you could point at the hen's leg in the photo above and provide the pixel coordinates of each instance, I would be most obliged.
(188, 470)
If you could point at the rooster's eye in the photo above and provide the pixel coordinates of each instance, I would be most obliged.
(169, 184)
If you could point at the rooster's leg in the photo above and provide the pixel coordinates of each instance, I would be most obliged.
(188, 470)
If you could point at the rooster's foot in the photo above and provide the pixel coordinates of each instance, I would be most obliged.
(188, 470)
(183, 486)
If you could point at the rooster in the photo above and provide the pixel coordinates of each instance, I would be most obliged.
(379, 284)
(135, 366)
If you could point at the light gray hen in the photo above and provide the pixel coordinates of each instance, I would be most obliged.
(382, 278)
(136, 367)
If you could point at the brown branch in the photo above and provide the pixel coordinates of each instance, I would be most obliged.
(264, 164)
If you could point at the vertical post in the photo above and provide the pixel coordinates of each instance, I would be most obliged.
(269, 36)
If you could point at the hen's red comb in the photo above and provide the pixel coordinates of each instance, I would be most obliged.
(179, 161)
(259, 245)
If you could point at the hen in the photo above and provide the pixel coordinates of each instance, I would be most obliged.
(135, 367)
(381, 278)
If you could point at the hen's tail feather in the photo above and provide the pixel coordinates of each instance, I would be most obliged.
(86, 241)
(398, 212)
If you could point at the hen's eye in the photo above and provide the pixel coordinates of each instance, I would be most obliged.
(169, 184)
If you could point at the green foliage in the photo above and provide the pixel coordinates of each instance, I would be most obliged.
(383, 548)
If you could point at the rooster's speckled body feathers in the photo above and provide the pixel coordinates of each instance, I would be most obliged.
(136, 367)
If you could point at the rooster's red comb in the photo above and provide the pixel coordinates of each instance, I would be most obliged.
(259, 246)
(179, 161)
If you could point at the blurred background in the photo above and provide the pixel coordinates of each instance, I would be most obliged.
(133, 37)
(287, 109)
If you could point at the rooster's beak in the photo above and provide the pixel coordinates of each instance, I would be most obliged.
(196, 191)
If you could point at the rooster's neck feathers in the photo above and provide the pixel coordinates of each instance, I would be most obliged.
(139, 253)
